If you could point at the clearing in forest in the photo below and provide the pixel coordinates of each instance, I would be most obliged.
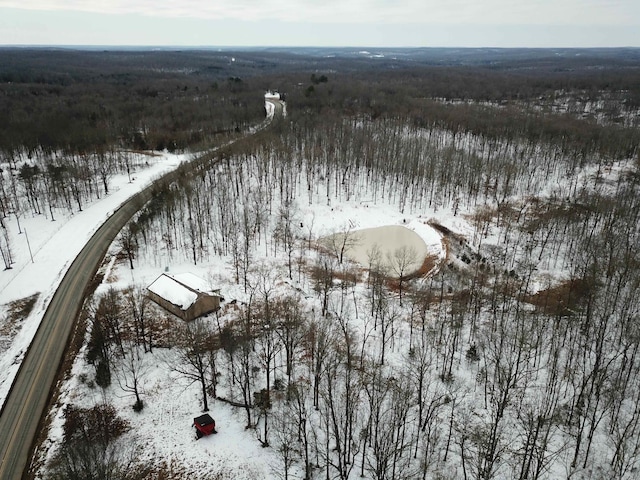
(396, 250)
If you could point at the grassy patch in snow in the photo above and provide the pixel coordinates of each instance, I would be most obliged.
(17, 312)
(562, 299)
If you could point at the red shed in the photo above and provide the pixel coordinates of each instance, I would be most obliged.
(205, 425)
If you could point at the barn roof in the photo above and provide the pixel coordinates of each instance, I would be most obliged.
(193, 282)
(181, 290)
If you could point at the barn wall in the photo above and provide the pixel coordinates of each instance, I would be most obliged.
(168, 306)
(203, 305)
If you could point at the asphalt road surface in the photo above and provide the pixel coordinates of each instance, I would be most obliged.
(22, 417)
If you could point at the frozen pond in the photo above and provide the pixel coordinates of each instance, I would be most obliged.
(397, 249)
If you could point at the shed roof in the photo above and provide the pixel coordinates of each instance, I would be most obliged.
(204, 420)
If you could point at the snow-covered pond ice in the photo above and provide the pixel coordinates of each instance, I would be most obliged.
(398, 247)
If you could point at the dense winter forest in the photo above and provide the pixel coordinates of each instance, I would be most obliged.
(514, 356)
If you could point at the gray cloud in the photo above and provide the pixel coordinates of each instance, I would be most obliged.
(484, 12)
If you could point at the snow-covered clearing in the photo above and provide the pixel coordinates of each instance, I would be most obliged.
(398, 249)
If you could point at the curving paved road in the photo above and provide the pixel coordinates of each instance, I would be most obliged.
(25, 406)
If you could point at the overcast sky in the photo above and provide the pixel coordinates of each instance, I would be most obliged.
(383, 23)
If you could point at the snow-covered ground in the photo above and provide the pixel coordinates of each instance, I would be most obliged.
(54, 245)
(43, 249)
(163, 431)
(171, 402)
